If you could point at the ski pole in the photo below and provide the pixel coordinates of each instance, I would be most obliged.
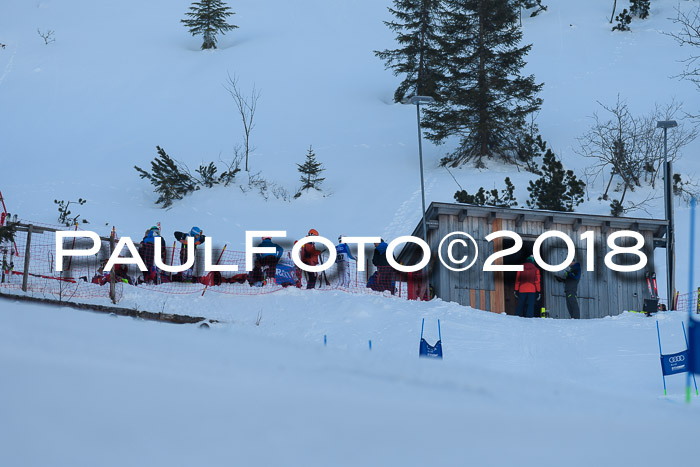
(687, 347)
(172, 259)
(690, 287)
(217, 262)
(70, 258)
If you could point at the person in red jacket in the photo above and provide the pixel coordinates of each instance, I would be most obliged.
(309, 256)
(527, 288)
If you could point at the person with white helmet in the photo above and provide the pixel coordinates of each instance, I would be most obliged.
(343, 260)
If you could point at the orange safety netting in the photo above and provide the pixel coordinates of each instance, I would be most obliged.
(688, 302)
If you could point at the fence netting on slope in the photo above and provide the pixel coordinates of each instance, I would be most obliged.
(689, 302)
(75, 281)
(266, 278)
(84, 277)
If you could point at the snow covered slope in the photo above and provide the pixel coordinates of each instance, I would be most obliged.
(82, 389)
(124, 76)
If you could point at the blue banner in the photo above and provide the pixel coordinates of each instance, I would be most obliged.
(285, 274)
(694, 346)
(432, 351)
(674, 363)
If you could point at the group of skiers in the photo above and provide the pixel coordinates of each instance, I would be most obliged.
(528, 288)
(268, 267)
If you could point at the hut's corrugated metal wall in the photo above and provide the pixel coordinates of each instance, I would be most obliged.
(602, 292)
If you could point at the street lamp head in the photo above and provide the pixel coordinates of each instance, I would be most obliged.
(418, 100)
(666, 124)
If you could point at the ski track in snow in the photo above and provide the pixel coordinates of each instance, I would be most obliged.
(403, 222)
(8, 67)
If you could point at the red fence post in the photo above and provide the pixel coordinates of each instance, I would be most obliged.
(112, 279)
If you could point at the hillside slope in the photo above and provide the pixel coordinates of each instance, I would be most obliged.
(123, 77)
(83, 389)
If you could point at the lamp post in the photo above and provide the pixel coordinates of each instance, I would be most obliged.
(668, 204)
(418, 100)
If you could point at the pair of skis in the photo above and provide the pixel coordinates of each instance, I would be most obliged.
(651, 285)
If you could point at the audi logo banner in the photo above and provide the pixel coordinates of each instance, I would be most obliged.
(675, 363)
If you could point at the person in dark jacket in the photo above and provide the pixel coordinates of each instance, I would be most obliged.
(265, 263)
(571, 278)
(147, 252)
(385, 273)
(527, 288)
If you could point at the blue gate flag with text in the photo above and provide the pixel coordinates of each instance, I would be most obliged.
(693, 346)
(672, 364)
(427, 350)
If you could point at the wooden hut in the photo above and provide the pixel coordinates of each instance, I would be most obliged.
(602, 292)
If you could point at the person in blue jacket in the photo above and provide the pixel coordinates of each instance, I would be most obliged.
(265, 263)
(147, 253)
(342, 261)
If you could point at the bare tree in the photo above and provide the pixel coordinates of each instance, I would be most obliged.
(630, 149)
(689, 35)
(47, 35)
(246, 108)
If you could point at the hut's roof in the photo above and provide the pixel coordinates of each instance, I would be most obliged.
(575, 219)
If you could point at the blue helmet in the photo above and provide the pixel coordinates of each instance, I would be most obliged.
(195, 231)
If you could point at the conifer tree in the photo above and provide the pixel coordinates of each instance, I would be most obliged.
(623, 21)
(310, 171)
(536, 5)
(171, 181)
(640, 8)
(208, 18)
(485, 99)
(418, 58)
(557, 189)
(482, 197)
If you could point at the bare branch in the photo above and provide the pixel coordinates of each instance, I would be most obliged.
(246, 107)
(48, 36)
(628, 151)
(689, 35)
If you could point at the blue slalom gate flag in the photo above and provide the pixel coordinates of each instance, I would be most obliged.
(693, 346)
(674, 363)
(679, 362)
(427, 350)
